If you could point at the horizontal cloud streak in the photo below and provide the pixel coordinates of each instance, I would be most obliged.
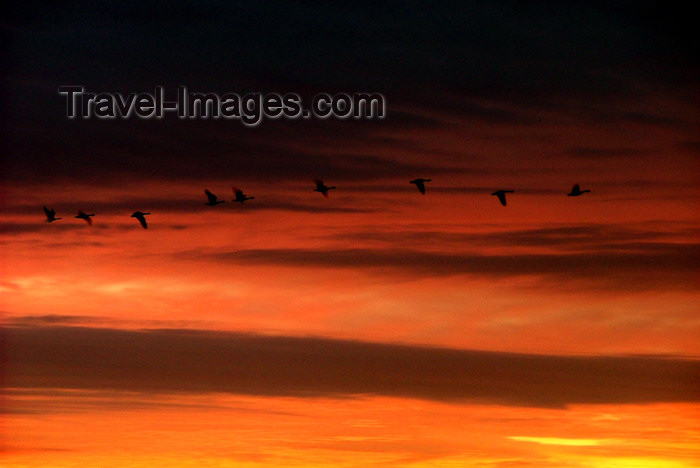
(662, 265)
(579, 237)
(196, 361)
(191, 206)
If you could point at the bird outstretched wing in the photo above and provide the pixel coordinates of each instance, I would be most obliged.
(210, 196)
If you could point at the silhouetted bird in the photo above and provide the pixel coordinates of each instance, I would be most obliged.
(50, 215)
(86, 217)
(501, 194)
(141, 216)
(240, 196)
(576, 191)
(213, 201)
(420, 183)
(321, 187)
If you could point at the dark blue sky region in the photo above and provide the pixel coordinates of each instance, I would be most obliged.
(505, 64)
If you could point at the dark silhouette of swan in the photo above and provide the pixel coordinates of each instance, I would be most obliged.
(420, 183)
(141, 216)
(240, 196)
(576, 191)
(50, 215)
(321, 187)
(212, 200)
(501, 194)
(86, 217)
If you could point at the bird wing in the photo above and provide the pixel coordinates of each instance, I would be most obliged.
(142, 220)
(501, 197)
(421, 186)
(319, 184)
(87, 218)
(49, 213)
(575, 188)
(210, 196)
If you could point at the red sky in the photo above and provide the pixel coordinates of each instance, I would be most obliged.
(377, 326)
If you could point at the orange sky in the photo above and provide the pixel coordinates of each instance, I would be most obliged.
(107, 429)
(377, 326)
(610, 273)
(452, 268)
(449, 269)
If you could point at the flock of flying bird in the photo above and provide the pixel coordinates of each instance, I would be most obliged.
(213, 200)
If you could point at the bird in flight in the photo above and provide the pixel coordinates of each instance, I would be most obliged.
(501, 194)
(321, 187)
(141, 216)
(420, 183)
(85, 216)
(576, 191)
(240, 196)
(50, 215)
(212, 200)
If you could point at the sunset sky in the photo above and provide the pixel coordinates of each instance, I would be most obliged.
(378, 326)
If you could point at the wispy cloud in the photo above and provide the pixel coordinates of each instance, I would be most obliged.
(636, 267)
(560, 441)
(193, 205)
(590, 152)
(565, 237)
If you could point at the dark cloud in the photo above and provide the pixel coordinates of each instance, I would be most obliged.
(44, 401)
(567, 238)
(21, 228)
(500, 64)
(562, 43)
(114, 152)
(196, 361)
(57, 226)
(648, 266)
(76, 226)
(192, 205)
(435, 187)
(606, 153)
(601, 113)
(52, 319)
(467, 109)
(692, 146)
(88, 320)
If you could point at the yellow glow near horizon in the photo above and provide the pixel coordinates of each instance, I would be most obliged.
(126, 429)
(560, 441)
